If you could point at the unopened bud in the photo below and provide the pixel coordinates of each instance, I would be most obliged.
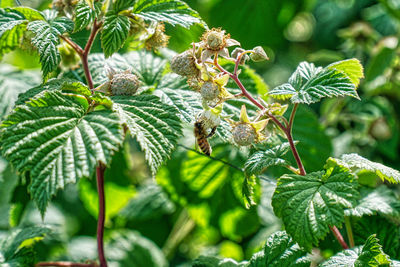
(184, 64)
(124, 84)
(244, 134)
(258, 54)
(209, 91)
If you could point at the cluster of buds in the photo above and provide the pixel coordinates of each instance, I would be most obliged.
(200, 66)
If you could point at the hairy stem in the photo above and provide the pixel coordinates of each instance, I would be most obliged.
(102, 210)
(66, 264)
(349, 230)
(339, 237)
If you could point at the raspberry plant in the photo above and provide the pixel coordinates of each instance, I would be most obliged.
(89, 105)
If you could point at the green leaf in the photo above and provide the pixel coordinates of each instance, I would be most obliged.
(121, 5)
(314, 144)
(309, 84)
(201, 184)
(387, 232)
(12, 83)
(114, 33)
(261, 160)
(85, 15)
(186, 102)
(174, 12)
(155, 125)
(211, 261)
(309, 204)
(358, 163)
(90, 197)
(147, 66)
(15, 248)
(352, 68)
(280, 251)
(370, 254)
(7, 3)
(57, 141)
(380, 200)
(46, 40)
(12, 27)
(129, 248)
(150, 203)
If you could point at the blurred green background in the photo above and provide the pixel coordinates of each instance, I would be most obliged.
(196, 208)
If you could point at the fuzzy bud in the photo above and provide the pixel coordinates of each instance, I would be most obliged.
(258, 54)
(209, 91)
(184, 64)
(124, 84)
(215, 40)
(244, 134)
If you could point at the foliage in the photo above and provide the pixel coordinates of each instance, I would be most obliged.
(205, 168)
(318, 198)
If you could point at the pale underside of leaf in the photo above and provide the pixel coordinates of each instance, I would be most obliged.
(358, 163)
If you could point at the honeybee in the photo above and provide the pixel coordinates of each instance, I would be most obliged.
(201, 134)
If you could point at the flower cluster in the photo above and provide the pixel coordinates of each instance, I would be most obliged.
(200, 66)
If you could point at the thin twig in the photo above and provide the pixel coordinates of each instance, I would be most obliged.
(211, 157)
(74, 45)
(339, 237)
(349, 230)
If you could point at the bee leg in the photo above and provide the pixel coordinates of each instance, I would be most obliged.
(212, 132)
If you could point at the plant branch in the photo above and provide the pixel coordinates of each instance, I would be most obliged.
(349, 230)
(339, 237)
(66, 264)
(102, 210)
(74, 45)
(84, 55)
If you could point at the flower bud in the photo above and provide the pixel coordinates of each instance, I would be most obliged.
(209, 91)
(124, 84)
(258, 54)
(184, 64)
(244, 134)
(215, 39)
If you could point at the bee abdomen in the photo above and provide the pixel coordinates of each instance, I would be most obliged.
(204, 146)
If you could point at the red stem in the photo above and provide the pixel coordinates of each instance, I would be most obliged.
(83, 53)
(86, 51)
(66, 264)
(287, 130)
(339, 237)
(102, 210)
